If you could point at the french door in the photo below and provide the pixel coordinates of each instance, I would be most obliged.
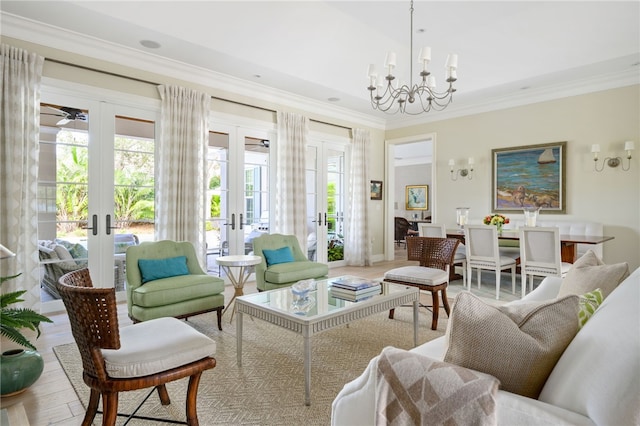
(326, 200)
(238, 197)
(95, 188)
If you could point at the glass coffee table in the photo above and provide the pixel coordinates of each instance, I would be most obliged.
(324, 313)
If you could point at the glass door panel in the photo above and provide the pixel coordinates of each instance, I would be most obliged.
(63, 194)
(335, 204)
(325, 171)
(255, 221)
(217, 199)
(133, 189)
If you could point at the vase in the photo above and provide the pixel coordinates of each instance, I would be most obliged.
(499, 226)
(19, 369)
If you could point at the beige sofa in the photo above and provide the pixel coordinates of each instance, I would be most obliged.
(595, 382)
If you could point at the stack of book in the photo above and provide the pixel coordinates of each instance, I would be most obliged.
(354, 289)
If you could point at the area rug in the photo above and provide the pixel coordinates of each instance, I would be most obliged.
(269, 387)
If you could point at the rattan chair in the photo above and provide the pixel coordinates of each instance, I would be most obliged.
(117, 360)
(436, 255)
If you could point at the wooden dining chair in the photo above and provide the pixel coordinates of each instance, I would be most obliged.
(117, 360)
(432, 274)
(438, 230)
(483, 252)
(540, 255)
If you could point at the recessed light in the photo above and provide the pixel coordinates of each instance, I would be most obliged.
(150, 44)
(420, 31)
(257, 76)
(525, 87)
(333, 99)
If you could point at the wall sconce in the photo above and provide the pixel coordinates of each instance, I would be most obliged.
(612, 161)
(468, 172)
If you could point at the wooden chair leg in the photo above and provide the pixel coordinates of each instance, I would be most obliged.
(220, 319)
(445, 302)
(92, 408)
(436, 309)
(391, 312)
(163, 395)
(109, 408)
(192, 397)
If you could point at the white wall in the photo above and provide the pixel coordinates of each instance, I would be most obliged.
(607, 118)
(417, 174)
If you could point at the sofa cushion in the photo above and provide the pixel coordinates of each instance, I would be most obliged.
(281, 255)
(166, 291)
(589, 273)
(413, 389)
(284, 273)
(154, 346)
(518, 344)
(64, 255)
(155, 269)
(597, 376)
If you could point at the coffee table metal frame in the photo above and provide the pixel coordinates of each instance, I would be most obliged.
(394, 295)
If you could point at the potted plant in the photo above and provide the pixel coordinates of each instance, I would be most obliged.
(20, 368)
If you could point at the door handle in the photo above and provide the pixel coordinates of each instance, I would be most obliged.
(94, 223)
(319, 221)
(233, 222)
(109, 227)
(325, 218)
(241, 221)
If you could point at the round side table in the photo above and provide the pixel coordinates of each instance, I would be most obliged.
(245, 263)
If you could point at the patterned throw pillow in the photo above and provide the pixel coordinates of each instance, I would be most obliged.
(414, 389)
(590, 272)
(589, 302)
(519, 344)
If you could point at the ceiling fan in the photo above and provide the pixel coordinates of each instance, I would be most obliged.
(263, 143)
(68, 114)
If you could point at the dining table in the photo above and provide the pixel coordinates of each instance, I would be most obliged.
(568, 243)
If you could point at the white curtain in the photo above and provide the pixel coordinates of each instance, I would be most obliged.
(357, 250)
(291, 193)
(181, 150)
(20, 124)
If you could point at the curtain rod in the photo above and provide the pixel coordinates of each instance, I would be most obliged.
(153, 83)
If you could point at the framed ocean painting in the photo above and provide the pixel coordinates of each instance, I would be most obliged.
(529, 176)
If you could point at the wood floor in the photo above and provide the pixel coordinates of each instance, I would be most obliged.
(52, 400)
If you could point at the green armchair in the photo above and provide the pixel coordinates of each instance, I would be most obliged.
(178, 296)
(269, 277)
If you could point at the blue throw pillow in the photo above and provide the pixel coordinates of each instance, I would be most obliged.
(281, 255)
(155, 269)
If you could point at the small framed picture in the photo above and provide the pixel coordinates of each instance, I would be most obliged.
(376, 190)
(417, 197)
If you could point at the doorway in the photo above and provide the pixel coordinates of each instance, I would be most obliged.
(409, 161)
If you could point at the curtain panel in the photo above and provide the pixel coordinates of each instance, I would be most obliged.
(291, 202)
(20, 123)
(181, 150)
(357, 250)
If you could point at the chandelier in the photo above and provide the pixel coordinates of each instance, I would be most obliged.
(392, 97)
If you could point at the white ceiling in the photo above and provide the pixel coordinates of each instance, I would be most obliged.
(509, 52)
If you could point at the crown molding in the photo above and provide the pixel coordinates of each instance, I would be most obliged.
(472, 104)
(81, 44)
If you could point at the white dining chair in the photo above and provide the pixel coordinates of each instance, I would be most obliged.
(483, 253)
(438, 230)
(540, 255)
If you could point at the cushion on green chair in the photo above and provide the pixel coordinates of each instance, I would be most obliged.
(281, 255)
(155, 269)
(167, 291)
(285, 273)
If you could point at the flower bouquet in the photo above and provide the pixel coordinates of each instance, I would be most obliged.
(496, 219)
